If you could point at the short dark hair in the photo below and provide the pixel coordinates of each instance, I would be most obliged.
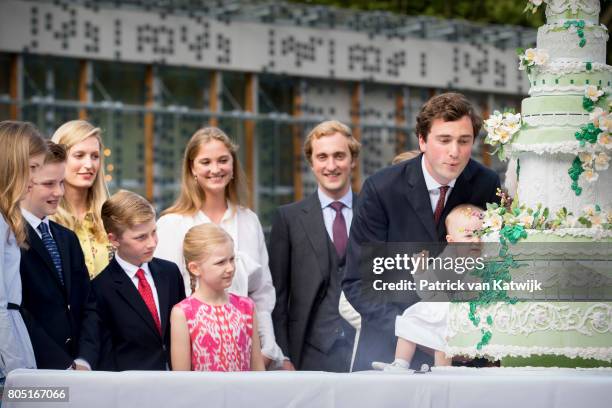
(449, 107)
(56, 153)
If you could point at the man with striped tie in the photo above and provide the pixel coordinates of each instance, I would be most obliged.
(53, 271)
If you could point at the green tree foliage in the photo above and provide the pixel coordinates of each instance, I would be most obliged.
(484, 11)
(480, 11)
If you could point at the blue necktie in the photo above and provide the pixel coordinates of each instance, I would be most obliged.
(51, 246)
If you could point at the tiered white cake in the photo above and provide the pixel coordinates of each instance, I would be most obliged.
(563, 150)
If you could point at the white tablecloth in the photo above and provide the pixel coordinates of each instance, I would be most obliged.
(462, 387)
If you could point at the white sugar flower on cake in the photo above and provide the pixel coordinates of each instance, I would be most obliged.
(602, 161)
(492, 221)
(605, 122)
(532, 5)
(532, 57)
(596, 114)
(593, 92)
(590, 175)
(501, 129)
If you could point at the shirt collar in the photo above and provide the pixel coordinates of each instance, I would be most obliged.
(430, 182)
(33, 220)
(226, 216)
(129, 268)
(346, 199)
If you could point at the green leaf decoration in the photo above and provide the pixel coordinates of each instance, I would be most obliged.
(582, 43)
(588, 104)
(574, 172)
(587, 133)
(589, 66)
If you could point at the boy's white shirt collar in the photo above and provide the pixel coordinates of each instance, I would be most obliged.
(129, 268)
(33, 220)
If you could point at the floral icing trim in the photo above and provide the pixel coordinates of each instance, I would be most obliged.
(592, 94)
(531, 57)
(588, 163)
(533, 5)
(501, 129)
(509, 214)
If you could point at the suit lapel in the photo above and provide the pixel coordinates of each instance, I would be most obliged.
(418, 196)
(62, 246)
(126, 289)
(163, 296)
(37, 245)
(314, 226)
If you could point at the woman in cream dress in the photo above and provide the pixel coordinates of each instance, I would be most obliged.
(213, 189)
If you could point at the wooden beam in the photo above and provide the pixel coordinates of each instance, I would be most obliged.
(15, 88)
(214, 92)
(84, 86)
(296, 137)
(149, 131)
(356, 95)
(249, 136)
(485, 156)
(400, 120)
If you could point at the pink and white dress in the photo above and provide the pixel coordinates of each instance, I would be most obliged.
(221, 335)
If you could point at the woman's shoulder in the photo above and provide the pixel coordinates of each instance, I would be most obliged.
(247, 216)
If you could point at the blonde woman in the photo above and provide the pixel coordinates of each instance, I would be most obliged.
(22, 154)
(213, 190)
(85, 191)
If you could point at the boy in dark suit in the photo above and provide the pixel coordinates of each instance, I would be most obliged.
(127, 323)
(53, 272)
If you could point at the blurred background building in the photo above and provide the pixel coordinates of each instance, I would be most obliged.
(151, 72)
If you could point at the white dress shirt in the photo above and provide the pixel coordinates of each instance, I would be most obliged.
(434, 187)
(252, 277)
(329, 214)
(34, 222)
(130, 270)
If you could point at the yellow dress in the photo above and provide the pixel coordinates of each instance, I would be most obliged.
(97, 253)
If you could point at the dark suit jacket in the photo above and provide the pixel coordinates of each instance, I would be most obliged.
(53, 312)
(119, 332)
(395, 206)
(299, 264)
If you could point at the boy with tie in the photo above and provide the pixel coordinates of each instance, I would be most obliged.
(127, 323)
(53, 272)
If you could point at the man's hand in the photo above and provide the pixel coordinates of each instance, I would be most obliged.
(288, 366)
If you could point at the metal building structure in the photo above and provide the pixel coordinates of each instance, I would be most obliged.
(151, 72)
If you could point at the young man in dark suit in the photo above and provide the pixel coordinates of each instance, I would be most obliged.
(408, 202)
(127, 323)
(53, 272)
(307, 257)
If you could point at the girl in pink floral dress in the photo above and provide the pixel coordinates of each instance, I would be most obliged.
(212, 330)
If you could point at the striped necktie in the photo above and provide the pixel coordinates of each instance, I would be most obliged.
(51, 246)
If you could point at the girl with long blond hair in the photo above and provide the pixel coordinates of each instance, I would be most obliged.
(213, 190)
(212, 330)
(22, 154)
(85, 191)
